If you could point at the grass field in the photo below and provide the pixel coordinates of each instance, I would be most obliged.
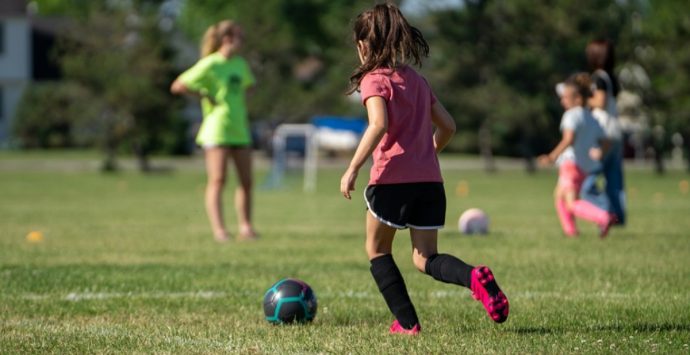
(127, 264)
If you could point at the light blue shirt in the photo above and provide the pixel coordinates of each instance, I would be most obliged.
(588, 133)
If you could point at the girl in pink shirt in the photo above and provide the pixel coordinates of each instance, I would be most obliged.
(405, 187)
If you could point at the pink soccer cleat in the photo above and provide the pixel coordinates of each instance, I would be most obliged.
(604, 228)
(396, 328)
(485, 289)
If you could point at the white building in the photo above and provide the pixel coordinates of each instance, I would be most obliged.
(15, 60)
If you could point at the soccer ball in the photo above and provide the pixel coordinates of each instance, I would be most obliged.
(474, 221)
(290, 300)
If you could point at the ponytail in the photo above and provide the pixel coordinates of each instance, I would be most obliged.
(390, 41)
(213, 37)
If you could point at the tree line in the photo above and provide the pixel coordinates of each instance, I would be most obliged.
(492, 63)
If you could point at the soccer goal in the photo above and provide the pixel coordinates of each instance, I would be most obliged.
(328, 133)
(280, 153)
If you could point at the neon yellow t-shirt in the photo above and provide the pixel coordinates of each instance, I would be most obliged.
(226, 80)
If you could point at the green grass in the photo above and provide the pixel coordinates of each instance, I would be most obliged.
(128, 265)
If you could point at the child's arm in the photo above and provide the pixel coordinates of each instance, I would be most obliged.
(566, 141)
(445, 126)
(378, 124)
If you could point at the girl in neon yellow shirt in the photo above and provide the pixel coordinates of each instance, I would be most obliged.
(221, 79)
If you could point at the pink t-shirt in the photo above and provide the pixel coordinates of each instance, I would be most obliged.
(406, 152)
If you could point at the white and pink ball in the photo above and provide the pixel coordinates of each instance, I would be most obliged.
(474, 221)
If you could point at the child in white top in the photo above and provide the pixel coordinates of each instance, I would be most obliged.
(578, 155)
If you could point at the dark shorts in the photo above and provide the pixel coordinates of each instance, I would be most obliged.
(420, 205)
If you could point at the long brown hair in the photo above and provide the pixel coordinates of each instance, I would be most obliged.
(213, 37)
(389, 41)
(601, 55)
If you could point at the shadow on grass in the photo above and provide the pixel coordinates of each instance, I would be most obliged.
(636, 327)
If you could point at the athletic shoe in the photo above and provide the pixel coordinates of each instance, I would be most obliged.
(604, 228)
(571, 235)
(485, 289)
(396, 328)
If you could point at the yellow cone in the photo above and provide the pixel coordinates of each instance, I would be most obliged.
(34, 237)
(684, 187)
(462, 189)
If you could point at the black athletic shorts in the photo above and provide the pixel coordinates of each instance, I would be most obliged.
(420, 205)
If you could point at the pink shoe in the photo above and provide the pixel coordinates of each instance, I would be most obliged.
(571, 235)
(604, 228)
(396, 328)
(485, 289)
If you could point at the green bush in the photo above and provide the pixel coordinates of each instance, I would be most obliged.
(67, 115)
(55, 115)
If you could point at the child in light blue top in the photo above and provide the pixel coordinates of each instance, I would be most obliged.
(578, 155)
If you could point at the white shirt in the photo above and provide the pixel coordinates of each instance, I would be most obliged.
(608, 117)
(587, 132)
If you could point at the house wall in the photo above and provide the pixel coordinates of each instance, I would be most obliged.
(15, 68)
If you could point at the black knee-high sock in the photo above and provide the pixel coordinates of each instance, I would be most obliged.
(447, 268)
(392, 286)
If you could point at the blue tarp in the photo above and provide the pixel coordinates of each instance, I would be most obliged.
(354, 124)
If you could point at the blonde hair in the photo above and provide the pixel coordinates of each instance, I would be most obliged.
(213, 37)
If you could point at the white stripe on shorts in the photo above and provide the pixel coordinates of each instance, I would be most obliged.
(379, 218)
(424, 227)
(393, 224)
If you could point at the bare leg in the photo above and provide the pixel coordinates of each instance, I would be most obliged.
(216, 164)
(442, 267)
(424, 245)
(243, 193)
(389, 280)
(447, 268)
(379, 238)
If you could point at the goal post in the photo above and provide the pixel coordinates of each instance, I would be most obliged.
(279, 143)
(327, 133)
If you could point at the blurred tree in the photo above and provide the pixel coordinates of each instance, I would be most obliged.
(300, 50)
(69, 8)
(120, 55)
(54, 115)
(495, 64)
(661, 36)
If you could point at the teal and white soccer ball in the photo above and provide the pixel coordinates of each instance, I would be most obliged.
(290, 300)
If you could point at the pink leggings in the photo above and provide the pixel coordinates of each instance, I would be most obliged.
(570, 176)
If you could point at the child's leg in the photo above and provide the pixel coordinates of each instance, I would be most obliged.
(442, 267)
(449, 269)
(565, 216)
(586, 210)
(569, 180)
(388, 278)
(243, 193)
(216, 163)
